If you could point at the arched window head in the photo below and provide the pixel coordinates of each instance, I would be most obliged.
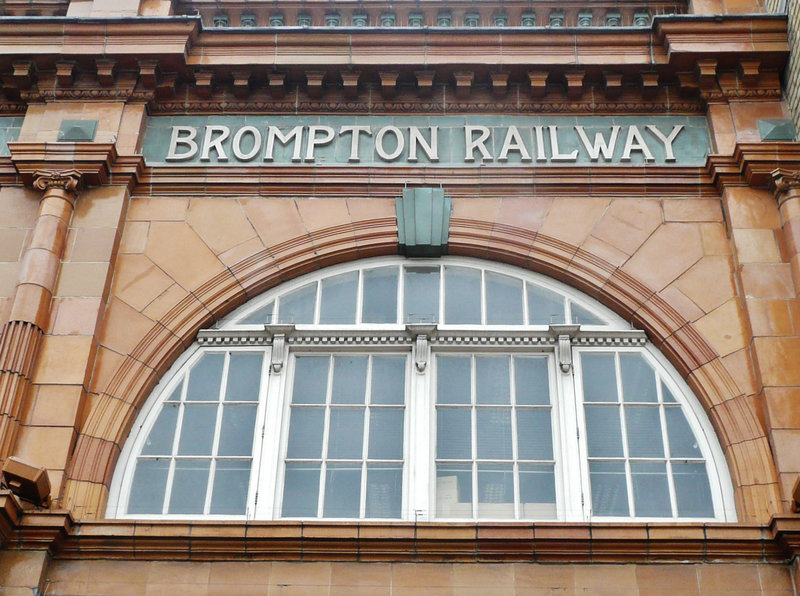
(393, 389)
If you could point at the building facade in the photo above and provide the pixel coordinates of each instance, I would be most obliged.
(399, 298)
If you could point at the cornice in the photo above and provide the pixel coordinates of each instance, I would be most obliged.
(91, 163)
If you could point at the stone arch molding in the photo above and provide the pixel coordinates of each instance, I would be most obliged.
(118, 402)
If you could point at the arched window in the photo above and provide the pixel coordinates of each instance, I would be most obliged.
(401, 389)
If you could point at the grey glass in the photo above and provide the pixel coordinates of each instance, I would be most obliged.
(176, 393)
(494, 433)
(189, 485)
(462, 296)
(298, 306)
(231, 481)
(453, 433)
(643, 426)
(236, 432)
(421, 295)
(503, 300)
(384, 497)
(349, 380)
(492, 380)
(160, 439)
(385, 433)
(453, 487)
(244, 376)
(379, 296)
(342, 491)
(599, 377)
(638, 379)
(650, 489)
(531, 381)
(310, 379)
(544, 306)
(496, 485)
(666, 395)
(346, 433)
(197, 430)
(205, 378)
(537, 484)
(338, 297)
(609, 489)
(583, 316)
(148, 486)
(692, 491)
(305, 433)
(301, 490)
(388, 380)
(682, 442)
(259, 317)
(453, 380)
(534, 434)
(603, 432)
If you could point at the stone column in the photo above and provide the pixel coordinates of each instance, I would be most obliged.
(21, 336)
(786, 186)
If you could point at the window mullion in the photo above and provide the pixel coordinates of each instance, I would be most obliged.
(421, 444)
(266, 467)
(572, 430)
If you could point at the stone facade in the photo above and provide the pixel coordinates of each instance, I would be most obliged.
(109, 266)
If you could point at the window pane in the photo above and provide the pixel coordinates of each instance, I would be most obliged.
(205, 378)
(346, 433)
(231, 481)
(453, 490)
(385, 434)
(176, 393)
(259, 317)
(197, 431)
(384, 491)
(496, 491)
(503, 300)
(609, 488)
(682, 442)
(638, 378)
(453, 433)
(421, 295)
(160, 439)
(305, 433)
(650, 489)
(452, 380)
(544, 306)
(244, 376)
(236, 434)
(379, 303)
(537, 492)
(310, 379)
(494, 433)
(643, 425)
(338, 300)
(492, 381)
(531, 381)
(149, 484)
(388, 380)
(349, 379)
(582, 316)
(534, 434)
(301, 490)
(599, 377)
(342, 490)
(189, 486)
(462, 296)
(603, 432)
(298, 306)
(666, 395)
(692, 490)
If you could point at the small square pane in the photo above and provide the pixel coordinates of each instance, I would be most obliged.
(534, 434)
(503, 300)
(385, 433)
(189, 486)
(453, 490)
(205, 378)
(545, 307)
(537, 492)
(298, 306)
(342, 491)
(310, 379)
(682, 442)
(161, 437)
(380, 296)
(148, 486)
(338, 299)
(197, 430)
(531, 381)
(421, 295)
(692, 490)
(453, 433)
(346, 433)
(462, 296)
(638, 379)
(603, 431)
(650, 489)
(384, 491)
(305, 433)
(453, 380)
(599, 377)
(236, 433)
(349, 380)
(301, 490)
(492, 380)
(244, 376)
(609, 489)
(496, 491)
(494, 433)
(643, 425)
(388, 380)
(231, 481)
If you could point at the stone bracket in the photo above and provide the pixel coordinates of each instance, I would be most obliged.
(278, 333)
(421, 333)
(564, 334)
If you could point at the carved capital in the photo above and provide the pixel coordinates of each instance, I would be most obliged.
(782, 182)
(68, 180)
